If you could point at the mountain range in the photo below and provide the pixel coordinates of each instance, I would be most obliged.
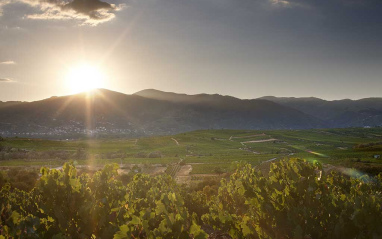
(337, 113)
(151, 112)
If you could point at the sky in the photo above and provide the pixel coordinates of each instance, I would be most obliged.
(329, 49)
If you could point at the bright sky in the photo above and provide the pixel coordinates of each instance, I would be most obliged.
(245, 48)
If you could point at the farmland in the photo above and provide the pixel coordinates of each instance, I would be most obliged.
(201, 179)
(208, 152)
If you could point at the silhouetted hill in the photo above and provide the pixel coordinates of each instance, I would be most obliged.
(337, 113)
(9, 103)
(147, 112)
(184, 98)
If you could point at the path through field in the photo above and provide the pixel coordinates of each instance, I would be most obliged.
(183, 175)
(158, 170)
(258, 141)
(248, 136)
(176, 141)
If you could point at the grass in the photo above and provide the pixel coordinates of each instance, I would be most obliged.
(214, 148)
(211, 168)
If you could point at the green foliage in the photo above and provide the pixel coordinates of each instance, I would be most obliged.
(294, 200)
(66, 205)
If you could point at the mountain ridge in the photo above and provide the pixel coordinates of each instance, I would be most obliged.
(268, 97)
(108, 112)
(154, 112)
(338, 113)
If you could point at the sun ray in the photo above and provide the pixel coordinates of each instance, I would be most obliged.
(64, 106)
(120, 38)
(89, 109)
(110, 103)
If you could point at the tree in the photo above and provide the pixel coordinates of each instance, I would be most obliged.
(218, 170)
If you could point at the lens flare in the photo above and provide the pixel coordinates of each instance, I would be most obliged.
(316, 153)
(310, 151)
(84, 77)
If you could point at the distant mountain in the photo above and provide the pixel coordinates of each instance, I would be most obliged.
(8, 103)
(184, 98)
(337, 113)
(148, 112)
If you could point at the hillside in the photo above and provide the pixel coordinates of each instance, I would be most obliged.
(151, 112)
(337, 113)
(112, 113)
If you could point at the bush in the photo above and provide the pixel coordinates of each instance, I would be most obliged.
(295, 200)
(155, 155)
(19, 178)
(141, 155)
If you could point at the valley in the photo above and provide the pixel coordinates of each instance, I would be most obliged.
(204, 153)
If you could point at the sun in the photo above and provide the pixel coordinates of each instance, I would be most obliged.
(84, 77)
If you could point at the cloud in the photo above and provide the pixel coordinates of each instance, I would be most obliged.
(291, 4)
(87, 12)
(6, 80)
(280, 2)
(2, 4)
(320, 4)
(7, 63)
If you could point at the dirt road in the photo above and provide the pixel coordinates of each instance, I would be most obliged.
(176, 141)
(258, 141)
(183, 175)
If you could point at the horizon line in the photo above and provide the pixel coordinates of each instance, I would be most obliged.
(163, 91)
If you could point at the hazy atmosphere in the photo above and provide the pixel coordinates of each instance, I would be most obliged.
(191, 119)
(244, 48)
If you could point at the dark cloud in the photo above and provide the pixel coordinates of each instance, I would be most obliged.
(88, 7)
(88, 12)
(2, 4)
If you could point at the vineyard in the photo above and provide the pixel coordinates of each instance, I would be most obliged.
(295, 199)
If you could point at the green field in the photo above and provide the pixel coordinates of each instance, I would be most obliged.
(207, 151)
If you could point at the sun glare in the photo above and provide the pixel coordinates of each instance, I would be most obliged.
(84, 77)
